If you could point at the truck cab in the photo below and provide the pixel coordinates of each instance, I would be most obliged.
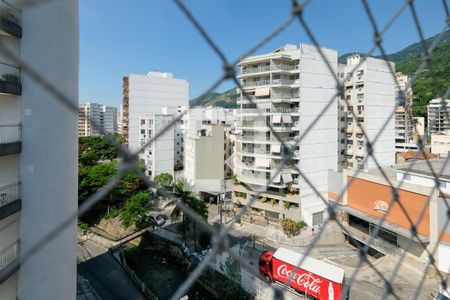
(265, 265)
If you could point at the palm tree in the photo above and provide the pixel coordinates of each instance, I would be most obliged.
(198, 205)
(182, 189)
(183, 192)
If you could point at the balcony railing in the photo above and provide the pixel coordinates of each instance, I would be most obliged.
(268, 82)
(10, 80)
(266, 111)
(255, 69)
(265, 68)
(267, 98)
(9, 254)
(10, 139)
(10, 202)
(9, 20)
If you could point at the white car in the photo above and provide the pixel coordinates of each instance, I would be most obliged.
(157, 220)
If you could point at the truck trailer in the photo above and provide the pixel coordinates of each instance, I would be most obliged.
(307, 276)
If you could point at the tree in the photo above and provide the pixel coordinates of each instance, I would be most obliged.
(164, 180)
(182, 190)
(93, 149)
(199, 207)
(134, 210)
(92, 178)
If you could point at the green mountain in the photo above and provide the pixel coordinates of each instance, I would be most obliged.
(409, 51)
(226, 99)
(425, 88)
(199, 101)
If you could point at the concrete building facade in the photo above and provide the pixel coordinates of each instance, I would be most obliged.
(370, 94)
(368, 199)
(207, 146)
(404, 122)
(289, 87)
(96, 119)
(204, 158)
(438, 116)
(159, 154)
(440, 143)
(108, 119)
(148, 94)
(38, 150)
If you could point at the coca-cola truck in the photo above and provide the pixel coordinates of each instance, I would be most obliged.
(307, 276)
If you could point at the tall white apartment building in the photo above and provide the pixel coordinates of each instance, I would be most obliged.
(289, 87)
(438, 116)
(38, 150)
(159, 155)
(148, 94)
(404, 127)
(370, 94)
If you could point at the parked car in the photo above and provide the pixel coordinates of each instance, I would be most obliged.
(157, 220)
(442, 294)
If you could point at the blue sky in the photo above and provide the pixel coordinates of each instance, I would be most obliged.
(135, 36)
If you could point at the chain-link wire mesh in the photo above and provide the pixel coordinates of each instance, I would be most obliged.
(129, 161)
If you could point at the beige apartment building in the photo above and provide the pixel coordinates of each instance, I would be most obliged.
(404, 122)
(367, 103)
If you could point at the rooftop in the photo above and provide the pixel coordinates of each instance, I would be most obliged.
(439, 166)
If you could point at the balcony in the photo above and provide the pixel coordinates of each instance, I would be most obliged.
(273, 98)
(359, 130)
(266, 68)
(7, 256)
(9, 20)
(10, 201)
(10, 80)
(268, 82)
(259, 111)
(10, 139)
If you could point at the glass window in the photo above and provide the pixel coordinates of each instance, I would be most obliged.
(317, 218)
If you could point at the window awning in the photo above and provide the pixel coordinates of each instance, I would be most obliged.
(287, 177)
(275, 148)
(277, 119)
(262, 92)
(287, 119)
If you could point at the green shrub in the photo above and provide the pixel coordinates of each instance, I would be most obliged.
(83, 226)
(291, 227)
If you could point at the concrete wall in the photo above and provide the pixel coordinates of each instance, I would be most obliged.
(440, 144)
(379, 104)
(148, 94)
(318, 149)
(415, 248)
(50, 45)
(163, 147)
(205, 161)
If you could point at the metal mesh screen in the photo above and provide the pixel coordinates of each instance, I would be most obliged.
(129, 160)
